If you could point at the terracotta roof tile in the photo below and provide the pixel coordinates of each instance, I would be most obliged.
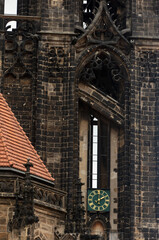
(15, 147)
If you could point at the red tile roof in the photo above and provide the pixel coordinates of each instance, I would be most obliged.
(15, 147)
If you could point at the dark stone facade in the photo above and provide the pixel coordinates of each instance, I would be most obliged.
(41, 68)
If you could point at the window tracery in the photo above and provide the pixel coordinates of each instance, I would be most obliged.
(103, 75)
(106, 74)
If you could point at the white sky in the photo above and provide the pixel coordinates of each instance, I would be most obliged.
(10, 7)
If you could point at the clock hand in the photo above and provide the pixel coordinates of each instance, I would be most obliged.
(100, 199)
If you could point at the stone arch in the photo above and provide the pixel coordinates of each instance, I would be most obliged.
(106, 69)
(102, 28)
(97, 228)
(115, 109)
(105, 105)
(85, 56)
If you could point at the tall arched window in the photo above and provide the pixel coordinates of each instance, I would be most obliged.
(101, 117)
(99, 141)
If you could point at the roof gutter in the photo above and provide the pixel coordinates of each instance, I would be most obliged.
(23, 173)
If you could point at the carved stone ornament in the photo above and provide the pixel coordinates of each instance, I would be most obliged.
(7, 186)
(48, 197)
(20, 49)
(67, 236)
(56, 61)
(24, 209)
(105, 73)
(102, 30)
(101, 217)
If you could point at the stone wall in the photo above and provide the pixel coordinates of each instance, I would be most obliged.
(45, 100)
(48, 206)
(144, 123)
(50, 221)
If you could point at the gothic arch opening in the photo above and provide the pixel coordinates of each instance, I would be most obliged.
(97, 228)
(106, 73)
(102, 95)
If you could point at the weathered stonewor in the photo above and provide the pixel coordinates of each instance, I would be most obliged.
(49, 73)
(20, 69)
(48, 204)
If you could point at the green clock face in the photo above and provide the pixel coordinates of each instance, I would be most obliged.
(98, 200)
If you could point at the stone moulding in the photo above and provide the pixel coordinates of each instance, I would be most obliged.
(106, 73)
(103, 30)
(104, 104)
(24, 212)
(46, 196)
(42, 194)
(19, 43)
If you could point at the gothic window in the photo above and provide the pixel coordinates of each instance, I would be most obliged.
(104, 72)
(98, 159)
(98, 167)
(101, 91)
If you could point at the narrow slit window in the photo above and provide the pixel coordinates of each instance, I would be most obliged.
(95, 153)
(98, 175)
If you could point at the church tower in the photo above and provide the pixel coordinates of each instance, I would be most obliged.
(81, 76)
